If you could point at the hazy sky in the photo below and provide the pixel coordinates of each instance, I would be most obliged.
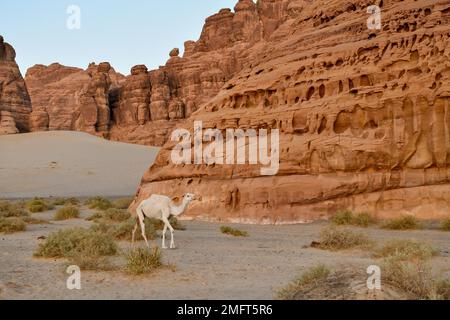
(123, 32)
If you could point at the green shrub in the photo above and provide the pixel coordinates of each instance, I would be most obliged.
(343, 218)
(141, 261)
(233, 232)
(446, 225)
(347, 217)
(69, 242)
(333, 238)
(67, 212)
(99, 203)
(38, 205)
(405, 222)
(12, 225)
(310, 277)
(363, 219)
(122, 203)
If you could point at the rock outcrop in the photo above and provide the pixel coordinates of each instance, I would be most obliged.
(66, 98)
(15, 105)
(363, 114)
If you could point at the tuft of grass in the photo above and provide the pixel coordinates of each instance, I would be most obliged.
(333, 238)
(8, 210)
(66, 201)
(38, 205)
(141, 261)
(342, 218)
(405, 222)
(90, 262)
(233, 232)
(67, 212)
(99, 203)
(110, 215)
(69, 242)
(12, 225)
(364, 219)
(415, 278)
(446, 225)
(122, 203)
(310, 277)
(443, 289)
(347, 217)
(405, 250)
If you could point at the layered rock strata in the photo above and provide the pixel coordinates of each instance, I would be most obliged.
(15, 105)
(363, 114)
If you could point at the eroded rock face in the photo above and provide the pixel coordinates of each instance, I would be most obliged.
(66, 98)
(15, 105)
(363, 114)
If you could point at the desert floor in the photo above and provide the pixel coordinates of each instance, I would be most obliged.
(62, 163)
(206, 265)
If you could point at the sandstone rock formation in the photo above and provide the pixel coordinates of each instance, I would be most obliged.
(363, 115)
(15, 105)
(65, 98)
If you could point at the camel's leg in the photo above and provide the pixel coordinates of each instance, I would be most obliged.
(167, 225)
(164, 237)
(141, 218)
(134, 233)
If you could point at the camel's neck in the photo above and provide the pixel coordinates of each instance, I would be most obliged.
(177, 210)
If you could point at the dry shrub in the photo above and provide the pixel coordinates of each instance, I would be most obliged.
(67, 212)
(347, 217)
(8, 210)
(446, 225)
(233, 232)
(12, 225)
(141, 261)
(110, 215)
(122, 203)
(312, 276)
(333, 238)
(66, 201)
(405, 222)
(38, 205)
(99, 203)
(405, 250)
(69, 242)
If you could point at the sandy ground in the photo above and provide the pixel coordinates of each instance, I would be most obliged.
(208, 264)
(61, 163)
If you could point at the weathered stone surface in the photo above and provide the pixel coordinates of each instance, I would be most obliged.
(15, 105)
(363, 114)
(66, 98)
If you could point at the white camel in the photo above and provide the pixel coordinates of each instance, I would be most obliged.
(161, 208)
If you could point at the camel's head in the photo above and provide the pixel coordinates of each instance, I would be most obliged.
(189, 197)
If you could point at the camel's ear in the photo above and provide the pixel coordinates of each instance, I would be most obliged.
(176, 199)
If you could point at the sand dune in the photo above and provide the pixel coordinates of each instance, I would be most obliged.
(62, 163)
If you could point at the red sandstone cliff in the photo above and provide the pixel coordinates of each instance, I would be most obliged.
(363, 114)
(15, 105)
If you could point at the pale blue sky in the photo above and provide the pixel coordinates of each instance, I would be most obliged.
(123, 32)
